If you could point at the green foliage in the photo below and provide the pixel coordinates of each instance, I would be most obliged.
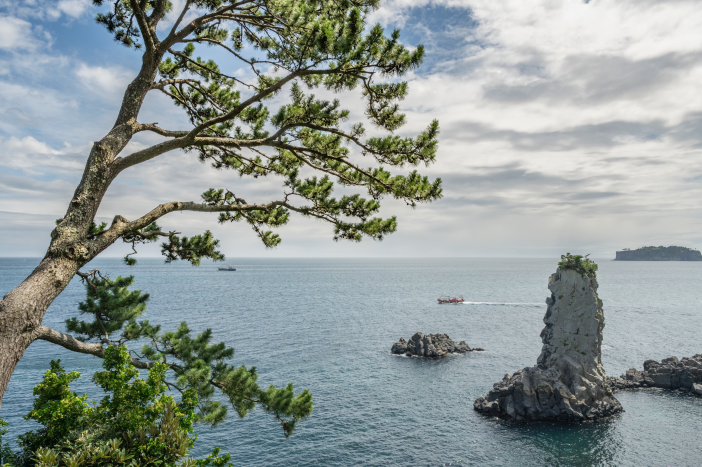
(136, 423)
(111, 305)
(202, 366)
(192, 249)
(302, 44)
(579, 263)
(56, 408)
(149, 234)
(197, 364)
(215, 460)
(7, 456)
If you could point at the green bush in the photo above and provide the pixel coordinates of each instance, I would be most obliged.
(7, 456)
(579, 263)
(136, 424)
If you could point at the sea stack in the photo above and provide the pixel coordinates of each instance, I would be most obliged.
(568, 382)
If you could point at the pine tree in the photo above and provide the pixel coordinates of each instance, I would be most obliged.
(136, 423)
(288, 47)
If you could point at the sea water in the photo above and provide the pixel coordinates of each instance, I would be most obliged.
(328, 324)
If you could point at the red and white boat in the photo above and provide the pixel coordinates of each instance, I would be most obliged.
(451, 299)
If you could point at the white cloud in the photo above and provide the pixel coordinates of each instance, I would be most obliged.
(173, 14)
(567, 110)
(104, 80)
(25, 234)
(36, 156)
(19, 35)
(74, 8)
(46, 10)
(564, 124)
(43, 110)
(22, 148)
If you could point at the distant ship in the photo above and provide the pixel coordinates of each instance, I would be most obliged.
(448, 299)
(228, 268)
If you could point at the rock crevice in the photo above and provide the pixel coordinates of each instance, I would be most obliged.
(568, 381)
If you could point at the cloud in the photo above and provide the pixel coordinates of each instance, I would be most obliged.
(104, 80)
(37, 109)
(20, 35)
(562, 124)
(36, 156)
(593, 79)
(46, 10)
(689, 130)
(24, 234)
(15, 149)
(22, 194)
(601, 135)
(74, 8)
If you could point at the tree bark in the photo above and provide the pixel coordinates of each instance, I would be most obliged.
(22, 310)
(71, 343)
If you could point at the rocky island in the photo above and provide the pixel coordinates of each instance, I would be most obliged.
(568, 381)
(430, 345)
(659, 253)
(670, 373)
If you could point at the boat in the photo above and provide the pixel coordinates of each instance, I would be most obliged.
(228, 268)
(451, 299)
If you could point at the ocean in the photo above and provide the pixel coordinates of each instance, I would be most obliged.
(328, 324)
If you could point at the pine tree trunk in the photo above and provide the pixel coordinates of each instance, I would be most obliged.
(22, 310)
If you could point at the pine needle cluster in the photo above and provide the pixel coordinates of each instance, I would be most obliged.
(310, 143)
(196, 363)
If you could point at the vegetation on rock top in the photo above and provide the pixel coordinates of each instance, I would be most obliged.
(579, 263)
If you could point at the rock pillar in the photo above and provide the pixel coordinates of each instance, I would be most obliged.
(568, 382)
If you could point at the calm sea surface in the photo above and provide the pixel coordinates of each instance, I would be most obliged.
(328, 325)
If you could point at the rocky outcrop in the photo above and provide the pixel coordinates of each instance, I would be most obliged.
(568, 381)
(669, 373)
(431, 345)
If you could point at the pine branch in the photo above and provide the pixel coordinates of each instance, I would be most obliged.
(69, 342)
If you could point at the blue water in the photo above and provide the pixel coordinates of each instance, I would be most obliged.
(328, 324)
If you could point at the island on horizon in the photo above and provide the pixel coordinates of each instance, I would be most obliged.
(659, 253)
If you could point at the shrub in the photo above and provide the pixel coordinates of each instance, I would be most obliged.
(7, 456)
(579, 263)
(136, 424)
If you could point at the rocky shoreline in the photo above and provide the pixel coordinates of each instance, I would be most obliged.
(430, 346)
(670, 373)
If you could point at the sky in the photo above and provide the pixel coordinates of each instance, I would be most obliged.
(566, 126)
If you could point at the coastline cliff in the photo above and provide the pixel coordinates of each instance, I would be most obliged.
(659, 253)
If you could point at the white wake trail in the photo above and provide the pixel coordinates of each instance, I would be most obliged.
(503, 304)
